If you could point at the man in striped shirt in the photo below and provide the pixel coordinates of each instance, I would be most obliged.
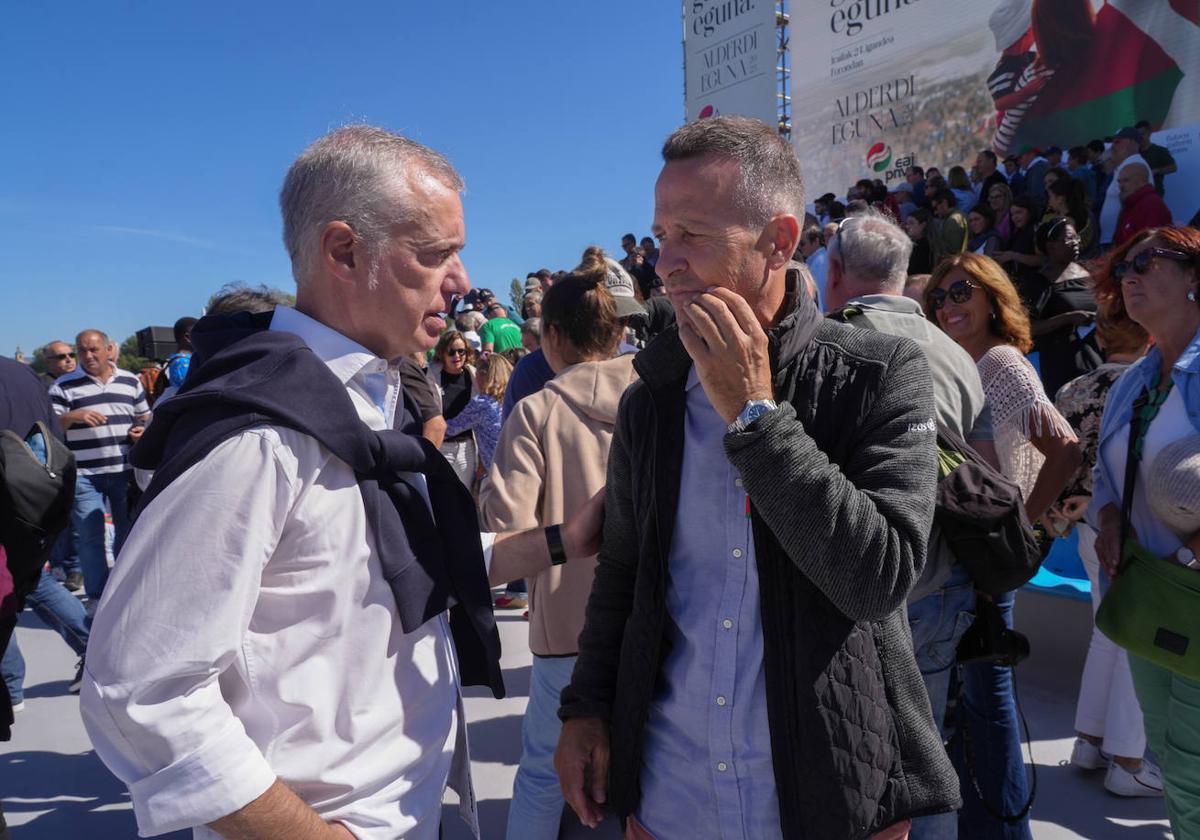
(103, 411)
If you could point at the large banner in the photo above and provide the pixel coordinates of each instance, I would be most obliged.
(878, 85)
(729, 56)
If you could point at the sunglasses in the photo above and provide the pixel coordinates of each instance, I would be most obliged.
(458, 351)
(959, 292)
(1141, 263)
(58, 357)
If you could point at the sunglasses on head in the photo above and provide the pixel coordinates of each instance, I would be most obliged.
(1141, 263)
(960, 291)
(58, 357)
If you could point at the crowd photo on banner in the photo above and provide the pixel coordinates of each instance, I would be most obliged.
(761, 481)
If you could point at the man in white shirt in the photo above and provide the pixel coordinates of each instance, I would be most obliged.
(254, 678)
(1124, 151)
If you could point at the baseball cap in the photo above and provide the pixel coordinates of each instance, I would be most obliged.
(620, 286)
(1128, 133)
(532, 284)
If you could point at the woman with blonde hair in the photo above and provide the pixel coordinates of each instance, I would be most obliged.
(481, 414)
(971, 298)
(552, 459)
(999, 198)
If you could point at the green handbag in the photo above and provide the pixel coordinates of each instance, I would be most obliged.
(1152, 608)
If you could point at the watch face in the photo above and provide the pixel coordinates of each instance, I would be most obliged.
(754, 412)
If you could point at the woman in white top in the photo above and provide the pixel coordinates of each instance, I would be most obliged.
(971, 298)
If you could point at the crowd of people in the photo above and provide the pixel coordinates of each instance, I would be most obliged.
(707, 472)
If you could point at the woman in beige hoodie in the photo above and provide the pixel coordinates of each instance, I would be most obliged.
(551, 459)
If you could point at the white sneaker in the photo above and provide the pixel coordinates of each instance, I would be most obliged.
(1087, 756)
(1145, 782)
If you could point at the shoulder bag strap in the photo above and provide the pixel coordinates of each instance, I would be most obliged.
(1131, 465)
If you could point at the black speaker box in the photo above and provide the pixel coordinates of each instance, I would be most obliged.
(156, 343)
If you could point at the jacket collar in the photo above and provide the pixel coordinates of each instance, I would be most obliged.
(665, 361)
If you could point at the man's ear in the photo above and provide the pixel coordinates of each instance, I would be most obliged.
(783, 235)
(342, 252)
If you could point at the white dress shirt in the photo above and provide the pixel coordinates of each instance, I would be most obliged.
(248, 633)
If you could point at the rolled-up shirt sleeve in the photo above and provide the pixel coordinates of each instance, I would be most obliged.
(173, 620)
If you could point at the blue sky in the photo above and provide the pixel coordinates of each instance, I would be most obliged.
(142, 143)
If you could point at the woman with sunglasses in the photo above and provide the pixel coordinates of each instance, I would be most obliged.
(452, 371)
(973, 301)
(1062, 309)
(1154, 279)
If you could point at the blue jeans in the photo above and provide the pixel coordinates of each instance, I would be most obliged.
(537, 801)
(64, 556)
(938, 621)
(87, 517)
(989, 713)
(62, 613)
(12, 669)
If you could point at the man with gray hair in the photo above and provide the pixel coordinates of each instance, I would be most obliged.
(868, 260)
(285, 659)
(102, 410)
(744, 664)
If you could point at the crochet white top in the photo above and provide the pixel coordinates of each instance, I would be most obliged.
(1020, 408)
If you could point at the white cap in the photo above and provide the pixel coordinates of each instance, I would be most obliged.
(1173, 486)
(1010, 22)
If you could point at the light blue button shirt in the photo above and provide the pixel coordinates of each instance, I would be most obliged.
(707, 752)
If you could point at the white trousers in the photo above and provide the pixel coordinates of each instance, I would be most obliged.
(463, 458)
(1107, 706)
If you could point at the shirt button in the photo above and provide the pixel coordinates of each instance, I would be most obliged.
(737, 482)
(720, 700)
(737, 552)
(727, 624)
(722, 766)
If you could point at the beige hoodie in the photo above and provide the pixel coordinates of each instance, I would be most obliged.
(553, 457)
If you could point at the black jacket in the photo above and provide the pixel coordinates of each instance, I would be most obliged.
(841, 480)
(244, 375)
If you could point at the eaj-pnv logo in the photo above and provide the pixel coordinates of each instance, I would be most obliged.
(879, 157)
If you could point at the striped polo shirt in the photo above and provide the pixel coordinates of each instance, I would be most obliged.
(100, 449)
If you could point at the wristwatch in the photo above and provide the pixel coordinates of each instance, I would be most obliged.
(1187, 557)
(753, 410)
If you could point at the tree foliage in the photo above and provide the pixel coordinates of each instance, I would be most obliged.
(129, 359)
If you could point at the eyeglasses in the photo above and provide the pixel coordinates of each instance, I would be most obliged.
(457, 351)
(959, 292)
(1141, 263)
(58, 357)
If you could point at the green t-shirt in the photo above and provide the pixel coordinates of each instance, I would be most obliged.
(502, 333)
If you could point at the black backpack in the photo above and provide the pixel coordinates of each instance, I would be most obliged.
(982, 517)
(35, 501)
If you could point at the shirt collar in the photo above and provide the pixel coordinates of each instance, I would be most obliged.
(888, 303)
(1189, 360)
(346, 358)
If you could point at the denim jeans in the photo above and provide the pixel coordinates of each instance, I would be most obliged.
(87, 517)
(12, 669)
(64, 555)
(938, 621)
(988, 712)
(62, 613)
(537, 801)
